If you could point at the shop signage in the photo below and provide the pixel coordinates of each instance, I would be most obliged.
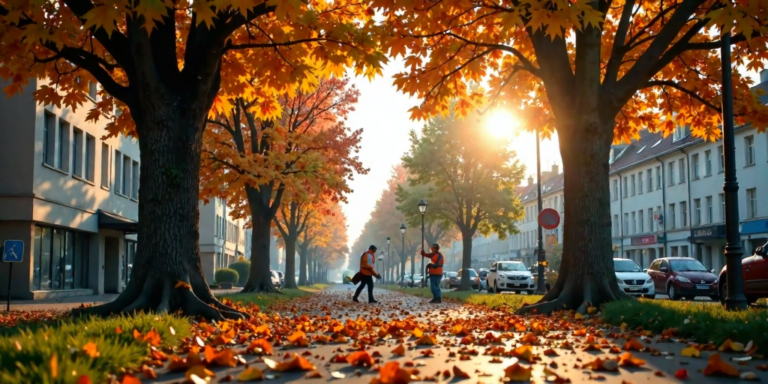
(708, 233)
(644, 240)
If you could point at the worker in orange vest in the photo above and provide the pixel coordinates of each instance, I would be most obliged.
(435, 268)
(366, 269)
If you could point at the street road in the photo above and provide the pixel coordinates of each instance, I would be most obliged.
(566, 338)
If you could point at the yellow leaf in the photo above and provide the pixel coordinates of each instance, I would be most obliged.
(199, 371)
(690, 352)
(251, 374)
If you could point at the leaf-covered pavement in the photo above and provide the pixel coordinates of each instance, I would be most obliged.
(403, 338)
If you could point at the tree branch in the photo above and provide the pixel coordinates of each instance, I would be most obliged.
(672, 84)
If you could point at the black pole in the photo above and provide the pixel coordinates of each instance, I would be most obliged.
(387, 273)
(424, 273)
(402, 273)
(734, 299)
(10, 276)
(540, 288)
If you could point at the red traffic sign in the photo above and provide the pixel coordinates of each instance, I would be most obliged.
(549, 218)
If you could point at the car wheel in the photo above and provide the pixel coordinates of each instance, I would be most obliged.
(672, 292)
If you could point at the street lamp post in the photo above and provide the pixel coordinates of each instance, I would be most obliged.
(540, 287)
(422, 209)
(402, 273)
(734, 299)
(387, 272)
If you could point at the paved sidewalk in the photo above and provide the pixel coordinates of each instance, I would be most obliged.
(66, 303)
(558, 350)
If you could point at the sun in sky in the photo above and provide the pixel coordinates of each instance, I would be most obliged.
(501, 123)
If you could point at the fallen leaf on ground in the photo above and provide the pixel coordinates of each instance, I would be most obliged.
(91, 350)
(251, 374)
(457, 372)
(298, 363)
(729, 345)
(360, 358)
(716, 366)
(603, 364)
(391, 373)
(399, 350)
(627, 360)
(690, 352)
(681, 374)
(199, 371)
(633, 345)
(130, 379)
(427, 340)
(260, 346)
(517, 372)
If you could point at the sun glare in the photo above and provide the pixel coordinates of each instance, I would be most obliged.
(501, 124)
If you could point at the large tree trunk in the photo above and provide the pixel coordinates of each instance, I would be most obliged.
(167, 275)
(466, 261)
(260, 277)
(290, 263)
(303, 265)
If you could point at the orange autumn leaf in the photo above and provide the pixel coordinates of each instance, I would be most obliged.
(633, 345)
(717, 366)
(427, 340)
(148, 372)
(523, 352)
(260, 346)
(54, 363)
(130, 379)
(251, 374)
(457, 372)
(360, 358)
(729, 345)
(467, 340)
(627, 360)
(690, 351)
(298, 363)
(417, 333)
(681, 374)
(391, 373)
(91, 350)
(152, 337)
(199, 371)
(529, 338)
(177, 363)
(83, 379)
(224, 358)
(600, 364)
(193, 357)
(399, 350)
(183, 284)
(517, 372)
(459, 330)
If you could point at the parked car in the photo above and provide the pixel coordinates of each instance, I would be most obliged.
(632, 279)
(482, 282)
(682, 277)
(282, 278)
(472, 280)
(448, 279)
(754, 272)
(416, 280)
(405, 280)
(510, 276)
(275, 279)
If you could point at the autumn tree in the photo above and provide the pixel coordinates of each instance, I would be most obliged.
(435, 230)
(257, 162)
(162, 64)
(468, 178)
(323, 230)
(594, 71)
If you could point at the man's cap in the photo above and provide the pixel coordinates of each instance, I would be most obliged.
(372, 248)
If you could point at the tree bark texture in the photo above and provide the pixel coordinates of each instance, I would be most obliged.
(290, 263)
(303, 250)
(466, 261)
(260, 277)
(167, 275)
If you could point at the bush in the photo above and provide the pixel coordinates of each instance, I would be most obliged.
(226, 275)
(243, 269)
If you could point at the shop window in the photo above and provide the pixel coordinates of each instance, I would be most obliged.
(61, 259)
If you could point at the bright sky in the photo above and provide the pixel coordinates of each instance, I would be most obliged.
(382, 112)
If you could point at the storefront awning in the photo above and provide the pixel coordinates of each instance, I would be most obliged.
(753, 227)
(111, 221)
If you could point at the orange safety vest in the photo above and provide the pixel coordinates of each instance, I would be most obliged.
(437, 260)
(366, 263)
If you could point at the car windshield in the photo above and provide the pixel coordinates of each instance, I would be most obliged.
(452, 274)
(687, 265)
(510, 267)
(626, 265)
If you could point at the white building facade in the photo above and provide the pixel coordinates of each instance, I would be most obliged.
(71, 197)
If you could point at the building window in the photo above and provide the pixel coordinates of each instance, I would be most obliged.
(126, 190)
(708, 163)
(695, 165)
(640, 183)
(633, 184)
(89, 157)
(615, 225)
(681, 168)
(60, 259)
(650, 220)
(62, 158)
(634, 223)
(671, 167)
(722, 207)
(671, 216)
(77, 152)
(93, 90)
(640, 223)
(749, 147)
(624, 187)
(615, 194)
(105, 165)
(118, 160)
(680, 133)
(751, 203)
(649, 179)
(697, 212)
(626, 224)
(135, 184)
(683, 214)
(710, 219)
(49, 138)
(720, 159)
(658, 177)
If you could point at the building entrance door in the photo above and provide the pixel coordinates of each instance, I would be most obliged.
(111, 264)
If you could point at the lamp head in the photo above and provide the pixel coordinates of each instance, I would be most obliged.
(402, 228)
(422, 206)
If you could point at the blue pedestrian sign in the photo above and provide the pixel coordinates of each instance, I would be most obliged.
(13, 251)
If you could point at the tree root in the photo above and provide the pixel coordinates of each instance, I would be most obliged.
(575, 295)
(259, 287)
(142, 296)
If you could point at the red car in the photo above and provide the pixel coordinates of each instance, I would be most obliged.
(754, 272)
(682, 277)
